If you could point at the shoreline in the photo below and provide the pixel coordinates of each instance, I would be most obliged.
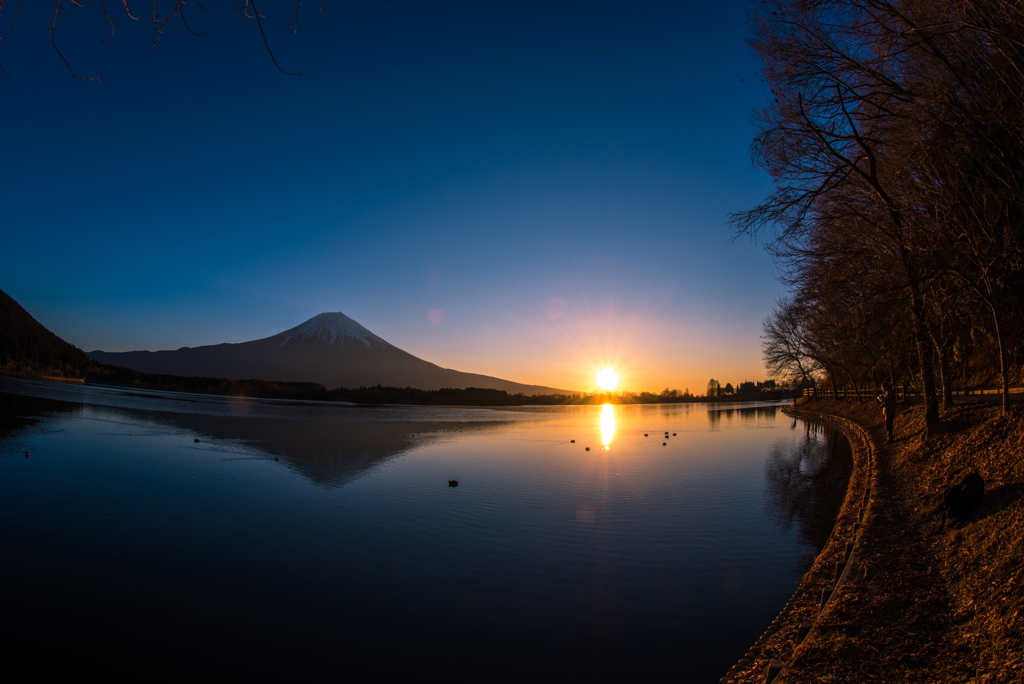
(922, 603)
(172, 393)
(769, 655)
(121, 378)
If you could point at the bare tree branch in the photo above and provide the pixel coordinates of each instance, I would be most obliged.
(53, 25)
(270, 52)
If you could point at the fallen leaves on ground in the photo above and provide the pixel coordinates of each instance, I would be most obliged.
(923, 604)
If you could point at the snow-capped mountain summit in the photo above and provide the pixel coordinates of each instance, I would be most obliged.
(328, 327)
(330, 348)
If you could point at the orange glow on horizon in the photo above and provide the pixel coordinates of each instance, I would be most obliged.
(575, 339)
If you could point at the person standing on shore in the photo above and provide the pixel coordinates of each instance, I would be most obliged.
(887, 399)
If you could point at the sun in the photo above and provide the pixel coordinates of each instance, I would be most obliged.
(607, 379)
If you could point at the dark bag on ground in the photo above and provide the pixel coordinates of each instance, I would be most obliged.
(959, 500)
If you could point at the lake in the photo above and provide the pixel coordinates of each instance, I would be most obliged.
(320, 541)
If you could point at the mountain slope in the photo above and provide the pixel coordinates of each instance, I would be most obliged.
(27, 346)
(331, 349)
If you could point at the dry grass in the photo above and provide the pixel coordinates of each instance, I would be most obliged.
(923, 604)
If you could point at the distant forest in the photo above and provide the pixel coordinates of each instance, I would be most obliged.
(28, 349)
(471, 396)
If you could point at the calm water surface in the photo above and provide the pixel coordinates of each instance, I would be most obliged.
(322, 541)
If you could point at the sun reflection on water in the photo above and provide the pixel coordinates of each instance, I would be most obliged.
(607, 424)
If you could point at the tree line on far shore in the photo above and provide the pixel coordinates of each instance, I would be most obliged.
(894, 136)
(470, 396)
(102, 374)
(28, 349)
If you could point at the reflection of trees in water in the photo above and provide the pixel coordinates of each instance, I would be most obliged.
(759, 415)
(328, 452)
(806, 482)
(747, 415)
(18, 413)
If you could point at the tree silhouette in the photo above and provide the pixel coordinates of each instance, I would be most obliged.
(894, 143)
(158, 22)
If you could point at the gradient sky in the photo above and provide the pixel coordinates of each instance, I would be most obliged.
(529, 190)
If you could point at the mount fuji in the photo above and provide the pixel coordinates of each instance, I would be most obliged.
(331, 349)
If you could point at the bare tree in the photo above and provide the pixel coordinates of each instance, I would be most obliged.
(159, 22)
(784, 344)
(866, 138)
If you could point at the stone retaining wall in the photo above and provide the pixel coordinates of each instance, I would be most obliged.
(766, 660)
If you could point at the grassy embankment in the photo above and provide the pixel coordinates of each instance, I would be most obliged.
(921, 604)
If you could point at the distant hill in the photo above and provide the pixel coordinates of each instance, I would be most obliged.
(330, 349)
(28, 347)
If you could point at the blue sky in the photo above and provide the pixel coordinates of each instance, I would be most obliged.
(555, 177)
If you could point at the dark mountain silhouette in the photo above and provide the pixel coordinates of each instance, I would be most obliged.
(330, 349)
(26, 346)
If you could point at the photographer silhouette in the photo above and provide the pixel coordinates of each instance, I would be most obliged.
(887, 400)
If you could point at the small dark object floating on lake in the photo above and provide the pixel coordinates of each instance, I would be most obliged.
(196, 441)
(664, 444)
(588, 448)
(453, 483)
(277, 459)
(26, 454)
(572, 441)
(673, 434)
(645, 434)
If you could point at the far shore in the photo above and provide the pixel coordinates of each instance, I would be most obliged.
(284, 401)
(921, 601)
(381, 396)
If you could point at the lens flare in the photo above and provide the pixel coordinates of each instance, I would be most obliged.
(607, 379)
